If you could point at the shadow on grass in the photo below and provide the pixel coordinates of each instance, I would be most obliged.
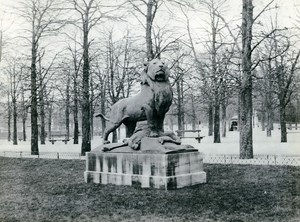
(54, 190)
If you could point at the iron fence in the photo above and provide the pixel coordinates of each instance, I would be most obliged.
(291, 160)
(43, 155)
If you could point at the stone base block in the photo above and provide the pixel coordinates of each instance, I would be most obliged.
(163, 171)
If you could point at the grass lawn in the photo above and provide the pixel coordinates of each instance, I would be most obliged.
(54, 190)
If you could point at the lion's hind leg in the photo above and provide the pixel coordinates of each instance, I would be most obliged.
(130, 127)
(111, 126)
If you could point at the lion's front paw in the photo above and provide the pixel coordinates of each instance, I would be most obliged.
(135, 146)
(153, 134)
(161, 140)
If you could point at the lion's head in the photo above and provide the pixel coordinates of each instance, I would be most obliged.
(156, 70)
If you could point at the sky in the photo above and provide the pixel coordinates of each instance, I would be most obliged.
(287, 11)
(12, 25)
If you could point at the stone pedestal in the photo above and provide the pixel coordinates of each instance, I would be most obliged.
(163, 171)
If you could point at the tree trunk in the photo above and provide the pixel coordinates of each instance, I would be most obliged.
(182, 102)
(43, 130)
(92, 109)
(50, 124)
(210, 120)
(217, 138)
(24, 115)
(179, 108)
(269, 122)
(149, 21)
(246, 141)
(15, 116)
(8, 118)
(76, 129)
(24, 129)
(42, 112)
(194, 117)
(216, 114)
(92, 122)
(67, 111)
(224, 125)
(14, 106)
(34, 112)
(283, 124)
(102, 108)
(263, 121)
(75, 114)
(86, 125)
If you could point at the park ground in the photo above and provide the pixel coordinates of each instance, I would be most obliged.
(54, 190)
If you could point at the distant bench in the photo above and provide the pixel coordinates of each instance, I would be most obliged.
(54, 140)
(59, 137)
(291, 126)
(180, 133)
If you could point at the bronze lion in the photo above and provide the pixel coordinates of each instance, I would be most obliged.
(151, 103)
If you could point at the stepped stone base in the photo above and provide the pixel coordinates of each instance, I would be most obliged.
(162, 171)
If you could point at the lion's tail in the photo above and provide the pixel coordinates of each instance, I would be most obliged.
(102, 116)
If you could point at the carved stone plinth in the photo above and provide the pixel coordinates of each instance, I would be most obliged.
(163, 171)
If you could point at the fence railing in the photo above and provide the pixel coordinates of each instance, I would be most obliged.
(291, 160)
(43, 155)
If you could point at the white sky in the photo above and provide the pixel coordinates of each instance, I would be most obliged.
(12, 25)
(287, 10)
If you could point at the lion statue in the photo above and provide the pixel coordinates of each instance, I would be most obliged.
(151, 103)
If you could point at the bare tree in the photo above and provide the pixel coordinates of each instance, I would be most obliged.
(121, 71)
(285, 69)
(179, 75)
(41, 101)
(90, 14)
(24, 107)
(213, 69)
(102, 87)
(88, 18)
(180, 95)
(67, 110)
(43, 19)
(45, 74)
(49, 108)
(9, 114)
(246, 142)
(76, 68)
(14, 79)
(217, 74)
(279, 65)
(75, 65)
(265, 87)
(14, 72)
(149, 15)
